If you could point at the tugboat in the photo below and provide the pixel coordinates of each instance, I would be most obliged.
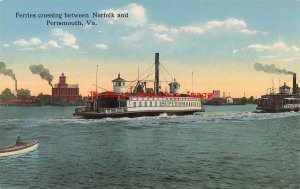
(284, 101)
(141, 101)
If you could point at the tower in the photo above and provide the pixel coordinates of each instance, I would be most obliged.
(174, 86)
(119, 85)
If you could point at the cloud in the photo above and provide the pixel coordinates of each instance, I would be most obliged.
(191, 29)
(66, 38)
(249, 32)
(164, 37)
(53, 43)
(259, 47)
(102, 46)
(158, 28)
(229, 24)
(22, 43)
(6, 45)
(34, 41)
(136, 15)
(236, 51)
(43, 46)
(276, 46)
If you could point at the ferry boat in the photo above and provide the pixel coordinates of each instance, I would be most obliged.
(284, 101)
(141, 101)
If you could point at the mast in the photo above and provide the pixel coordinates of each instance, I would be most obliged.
(156, 83)
(272, 89)
(192, 82)
(97, 79)
(138, 74)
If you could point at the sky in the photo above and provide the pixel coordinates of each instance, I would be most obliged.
(217, 41)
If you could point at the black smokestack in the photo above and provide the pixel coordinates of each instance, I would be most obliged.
(270, 69)
(294, 84)
(7, 72)
(156, 83)
(16, 86)
(43, 72)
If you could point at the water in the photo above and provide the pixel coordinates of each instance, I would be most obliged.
(225, 147)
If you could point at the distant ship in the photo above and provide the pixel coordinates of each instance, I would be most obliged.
(284, 101)
(141, 101)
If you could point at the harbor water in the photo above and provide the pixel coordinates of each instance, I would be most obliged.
(224, 147)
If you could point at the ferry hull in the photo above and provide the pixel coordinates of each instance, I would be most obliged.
(277, 110)
(96, 115)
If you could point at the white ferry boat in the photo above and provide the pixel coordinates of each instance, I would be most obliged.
(141, 101)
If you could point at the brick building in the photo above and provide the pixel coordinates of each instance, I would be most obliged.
(63, 92)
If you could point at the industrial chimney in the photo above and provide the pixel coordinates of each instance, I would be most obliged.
(16, 87)
(156, 83)
(294, 84)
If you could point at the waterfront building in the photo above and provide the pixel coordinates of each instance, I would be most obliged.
(62, 92)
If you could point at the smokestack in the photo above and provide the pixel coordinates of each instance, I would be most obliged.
(16, 86)
(156, 83)
(294, 84)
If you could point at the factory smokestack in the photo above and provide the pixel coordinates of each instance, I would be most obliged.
(294, 84)
(42, 72)
(16, 87)
(270, 69)
(8, 72)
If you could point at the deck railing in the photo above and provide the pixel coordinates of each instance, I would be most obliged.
(113, 110)
(102, 110)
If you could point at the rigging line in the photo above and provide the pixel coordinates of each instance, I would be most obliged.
(141, 80)
(144, 79)
(101, 88)
(147, 69)
(149, 75)
(166, 70)
(164, 76)
(140, 75)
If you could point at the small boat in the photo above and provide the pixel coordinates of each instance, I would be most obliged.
(20, 149)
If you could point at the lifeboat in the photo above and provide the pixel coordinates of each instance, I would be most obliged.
(19, 149)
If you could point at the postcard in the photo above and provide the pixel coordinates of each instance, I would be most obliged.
(149, 94)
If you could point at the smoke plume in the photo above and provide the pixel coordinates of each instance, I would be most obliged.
(270, 69)
(43, 72)
(7, 72)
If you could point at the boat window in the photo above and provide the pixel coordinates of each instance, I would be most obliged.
(134, 104)
(145, 103)
(140, 104)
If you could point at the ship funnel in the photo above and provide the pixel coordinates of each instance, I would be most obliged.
(294, 84)
(156, 83)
